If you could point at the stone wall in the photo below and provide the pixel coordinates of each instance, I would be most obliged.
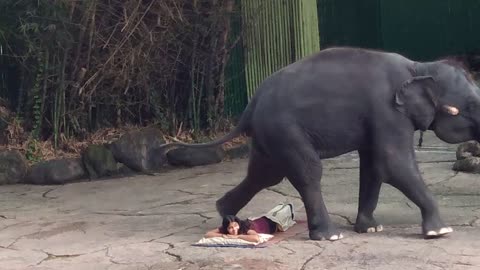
(136, 152)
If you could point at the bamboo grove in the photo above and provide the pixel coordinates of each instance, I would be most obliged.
(70, 67)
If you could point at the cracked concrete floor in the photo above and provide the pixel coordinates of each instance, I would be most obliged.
(150, 222)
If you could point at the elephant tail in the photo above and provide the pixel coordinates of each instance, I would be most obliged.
(243, 126)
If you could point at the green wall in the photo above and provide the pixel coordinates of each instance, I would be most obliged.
(349, 23)
(429, 29)
(420, 29)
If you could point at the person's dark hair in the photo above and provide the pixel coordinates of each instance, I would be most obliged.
(244, 224)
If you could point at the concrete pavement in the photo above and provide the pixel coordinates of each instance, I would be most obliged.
(150, 222)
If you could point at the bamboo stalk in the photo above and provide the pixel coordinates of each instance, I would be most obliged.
(268, 39)
(287, 49)
(59, 94)
(255, 49)
(248, 37)
(44, 88)
(279, 35)
(263, 60)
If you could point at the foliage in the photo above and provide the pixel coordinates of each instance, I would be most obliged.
(73, 67)
(33, 151)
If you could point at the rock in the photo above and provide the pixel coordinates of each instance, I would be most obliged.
(99, 161)
(195, 156)
(140, 150)
(468, 149)
(241, 151)
(157, 158)
(13, 167)
(56, 172)
(470, 165)
(124, 170)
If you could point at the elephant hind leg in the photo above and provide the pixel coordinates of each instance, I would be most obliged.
(262, 173)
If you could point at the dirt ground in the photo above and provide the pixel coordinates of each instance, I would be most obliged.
(151, 222)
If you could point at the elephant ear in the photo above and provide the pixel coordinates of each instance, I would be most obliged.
(416, 99)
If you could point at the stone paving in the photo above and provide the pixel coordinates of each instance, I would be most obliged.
(150, 222)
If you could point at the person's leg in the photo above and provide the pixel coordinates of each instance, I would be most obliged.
(273, 226)
(263, 225)
(282, 216)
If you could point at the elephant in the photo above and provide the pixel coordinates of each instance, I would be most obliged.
(345, 99)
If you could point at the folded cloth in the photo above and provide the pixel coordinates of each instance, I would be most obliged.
(231, 242)
(283, 214)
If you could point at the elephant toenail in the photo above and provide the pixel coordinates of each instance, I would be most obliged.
(334, 237)
(445, 230)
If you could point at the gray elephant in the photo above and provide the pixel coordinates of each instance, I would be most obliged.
(349, 99)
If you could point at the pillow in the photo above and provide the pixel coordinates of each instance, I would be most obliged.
(231, 242)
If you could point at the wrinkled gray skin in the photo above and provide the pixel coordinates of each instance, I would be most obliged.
(346, 99)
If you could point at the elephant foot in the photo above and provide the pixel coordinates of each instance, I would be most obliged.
(367, 225)
(435, 228)
(222, 208)
(225, 206)
(331, 235)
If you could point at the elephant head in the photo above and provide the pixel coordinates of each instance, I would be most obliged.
(442, 96)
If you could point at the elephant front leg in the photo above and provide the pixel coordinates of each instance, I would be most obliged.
(400, 164)
(370, 185)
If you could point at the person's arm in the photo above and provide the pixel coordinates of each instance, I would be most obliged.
(213, 233)
(251, 236)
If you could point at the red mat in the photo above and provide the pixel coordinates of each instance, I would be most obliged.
(301, 226)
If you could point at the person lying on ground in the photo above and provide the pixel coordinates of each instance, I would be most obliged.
(248, 230)
(279, 218)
